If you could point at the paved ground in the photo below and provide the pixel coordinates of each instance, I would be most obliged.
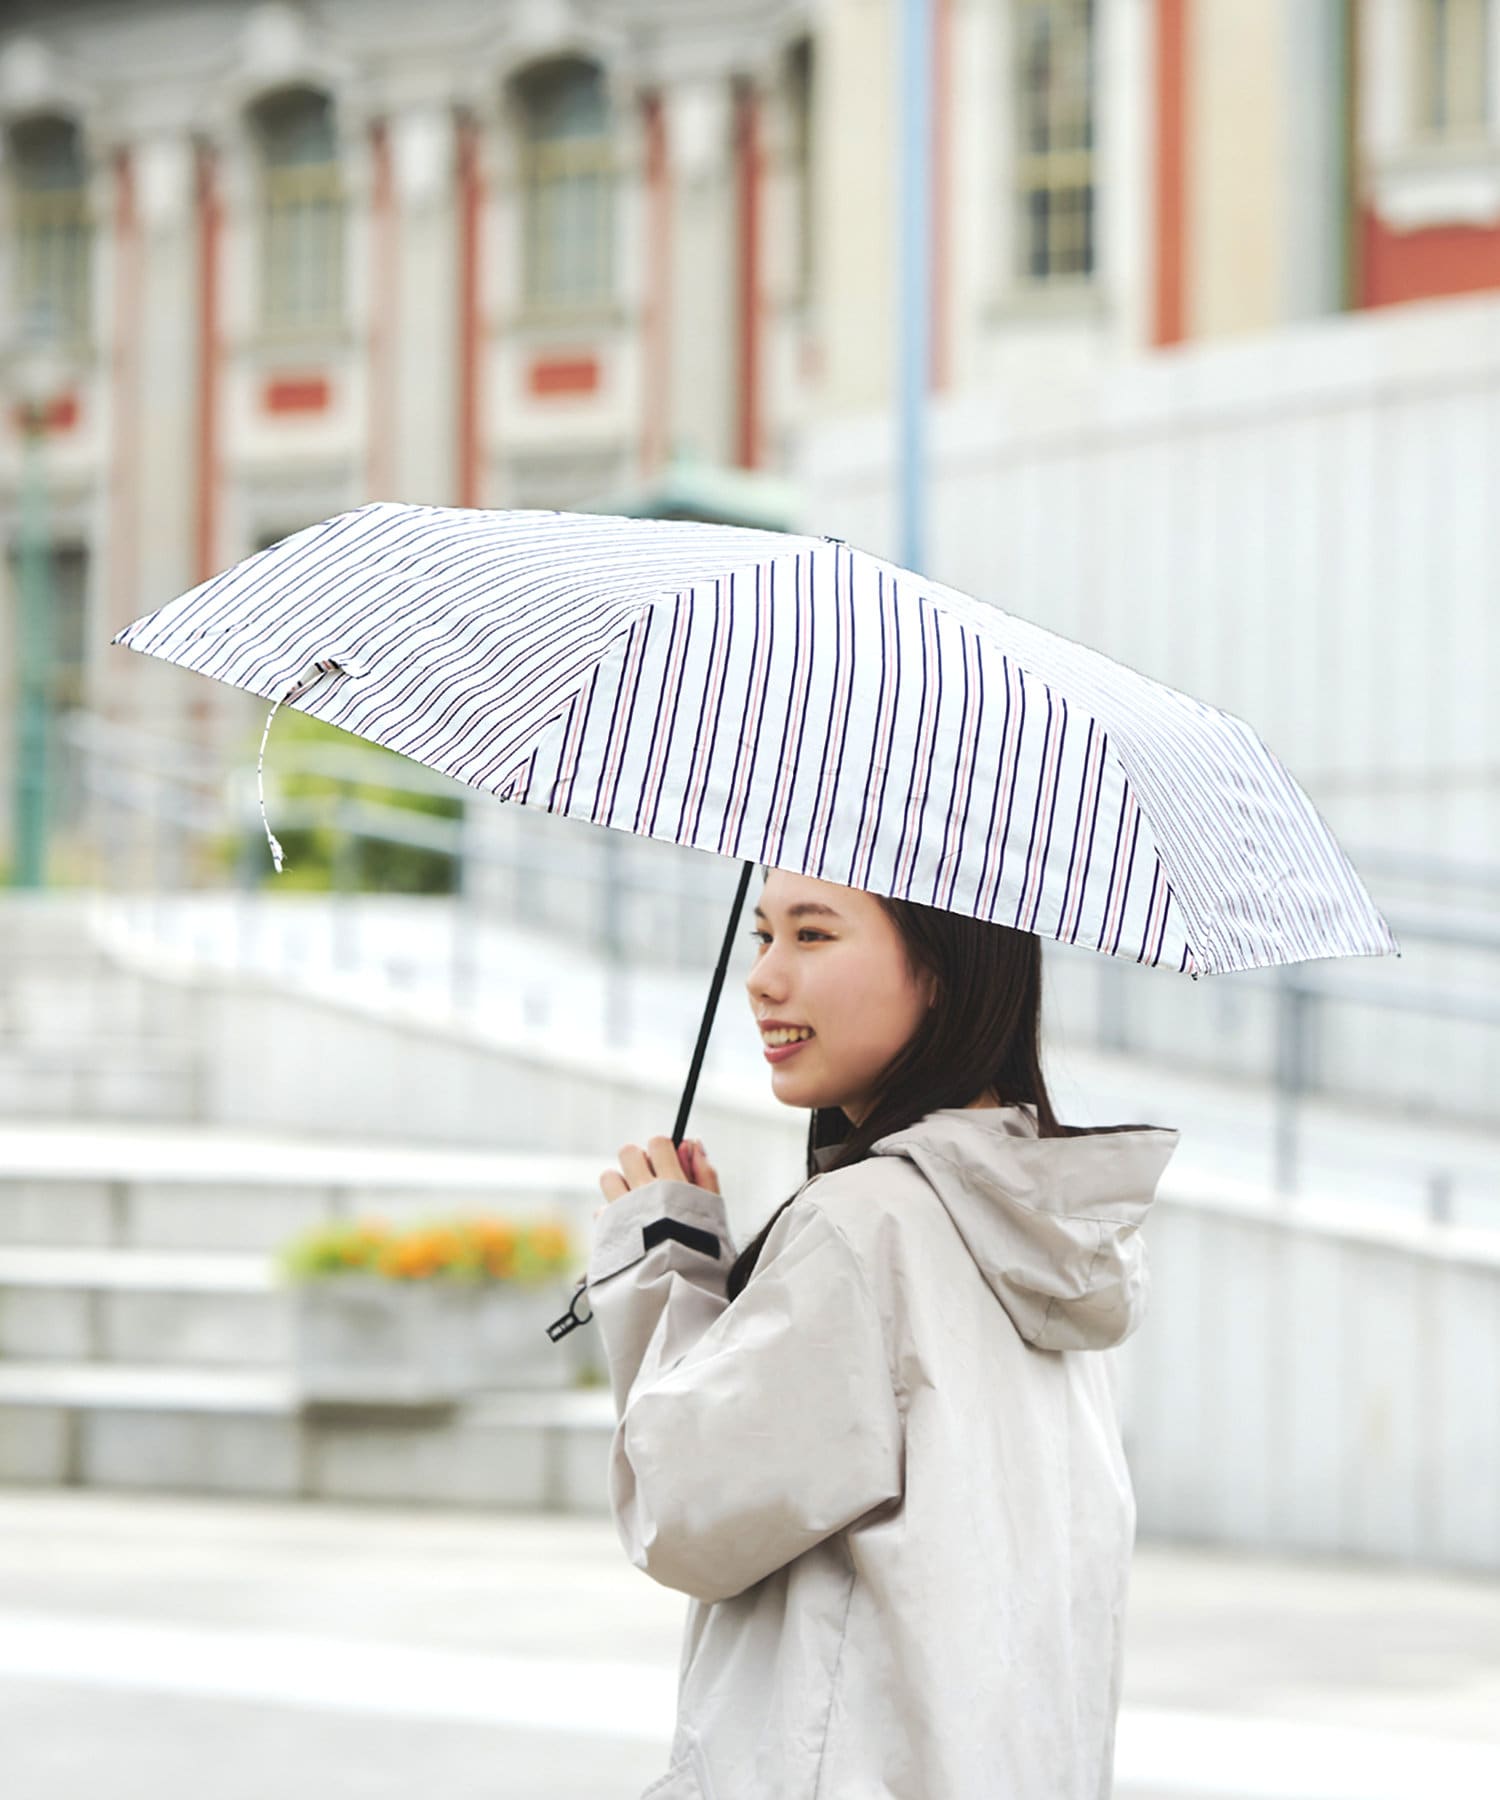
(161, 1648)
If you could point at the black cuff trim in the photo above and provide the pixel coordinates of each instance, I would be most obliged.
(659, 1229)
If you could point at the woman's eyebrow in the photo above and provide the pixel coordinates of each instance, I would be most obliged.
(804, 906)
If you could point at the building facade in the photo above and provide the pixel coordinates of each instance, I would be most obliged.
(289, 258)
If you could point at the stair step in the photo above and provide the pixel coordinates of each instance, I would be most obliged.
(194, 1431)
(143, 1271)
(146, 1386)
(143, 1187)
(126, 1080)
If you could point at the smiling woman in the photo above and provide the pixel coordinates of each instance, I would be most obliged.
(911, 1008)
(875, 1447)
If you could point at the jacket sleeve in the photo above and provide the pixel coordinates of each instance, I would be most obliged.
(748, 1432)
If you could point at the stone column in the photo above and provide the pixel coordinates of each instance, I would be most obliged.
(423, 458)
(700, 154)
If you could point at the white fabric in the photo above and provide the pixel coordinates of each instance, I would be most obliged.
(889, 1474)
(793, 701)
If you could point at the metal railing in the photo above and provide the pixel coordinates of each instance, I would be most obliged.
(151, 805)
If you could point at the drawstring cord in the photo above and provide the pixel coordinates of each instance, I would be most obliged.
(314, 671)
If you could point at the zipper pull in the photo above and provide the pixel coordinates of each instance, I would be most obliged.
(571, 1319)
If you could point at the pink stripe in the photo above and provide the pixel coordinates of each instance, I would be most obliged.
(740, 784)
(842, 689)
(801, 682)
(879, 755)
(962, 793)
(562, 788)
(718, 664)
(926, 738)
(1122, 858)
(666, 710)
(1051, 758)
(1009, 755)
(615, 751)
(1157, 931)
(1151, 909)
(1131, 838)
(1088, 805)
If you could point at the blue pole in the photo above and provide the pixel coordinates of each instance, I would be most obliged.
(914, 254)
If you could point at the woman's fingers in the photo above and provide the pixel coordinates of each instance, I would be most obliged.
(703, 1169)
(661, 1158)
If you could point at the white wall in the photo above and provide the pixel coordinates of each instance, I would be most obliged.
(1317, 1386)
(1299, 528)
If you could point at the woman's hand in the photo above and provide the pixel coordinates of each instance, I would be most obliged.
(658, 1161)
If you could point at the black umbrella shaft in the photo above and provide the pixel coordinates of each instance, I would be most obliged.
(679, 1130)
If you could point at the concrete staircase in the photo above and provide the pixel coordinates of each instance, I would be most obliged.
(166, 1125)
(145, 1340)
(82, 1035)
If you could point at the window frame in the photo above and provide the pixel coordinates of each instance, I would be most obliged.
(298, 199)
(1428, 87)
(1054, 169)
(52, 231)
(546, 162)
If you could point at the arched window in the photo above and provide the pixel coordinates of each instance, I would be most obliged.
(1451, 65)
(52, 230)
(302, 212)
(1055, 150)
(568, 186)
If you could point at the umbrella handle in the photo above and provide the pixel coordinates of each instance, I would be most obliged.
(679, 1130)
(572, 1319)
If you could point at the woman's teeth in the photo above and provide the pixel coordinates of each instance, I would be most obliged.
(776, 1038)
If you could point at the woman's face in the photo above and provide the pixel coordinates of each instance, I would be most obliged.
(842, 971)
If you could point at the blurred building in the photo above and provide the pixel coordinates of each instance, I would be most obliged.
(534, 253)
(1217, 370)
(299, 257)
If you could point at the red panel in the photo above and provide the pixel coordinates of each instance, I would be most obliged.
(210, 220)
(296, 394)
(747, 157)
(563, 375)
(1169, 325)
(656, 323)
(1423, 265)
(61, 414)
(380, 450)
(124, 477)
(470, 341)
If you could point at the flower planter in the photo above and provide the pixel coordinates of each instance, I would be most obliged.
(368, 1339)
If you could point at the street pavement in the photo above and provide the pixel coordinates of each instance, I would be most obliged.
(163, 1647)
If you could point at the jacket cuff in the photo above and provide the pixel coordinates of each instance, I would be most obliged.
(646, 1216)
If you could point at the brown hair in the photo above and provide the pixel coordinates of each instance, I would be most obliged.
(982, 1033)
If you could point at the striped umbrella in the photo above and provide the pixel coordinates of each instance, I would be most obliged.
(792, 701)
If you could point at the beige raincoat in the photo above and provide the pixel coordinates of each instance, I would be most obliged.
(890, 1473)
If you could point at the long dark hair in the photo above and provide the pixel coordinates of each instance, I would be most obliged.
(982, 1033)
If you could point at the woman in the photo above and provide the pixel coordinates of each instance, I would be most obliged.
(878, 1447)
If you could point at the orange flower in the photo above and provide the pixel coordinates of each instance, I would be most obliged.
(550, 1241)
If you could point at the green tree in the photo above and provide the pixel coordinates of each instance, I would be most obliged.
(320, 766)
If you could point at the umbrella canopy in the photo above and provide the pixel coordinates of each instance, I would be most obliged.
(794, 701)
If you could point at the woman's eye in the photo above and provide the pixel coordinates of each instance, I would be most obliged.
(806, 931)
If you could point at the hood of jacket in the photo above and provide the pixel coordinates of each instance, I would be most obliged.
(1052, 1223)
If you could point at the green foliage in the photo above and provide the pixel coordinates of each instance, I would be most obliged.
(480, 1247)
(313, 853)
